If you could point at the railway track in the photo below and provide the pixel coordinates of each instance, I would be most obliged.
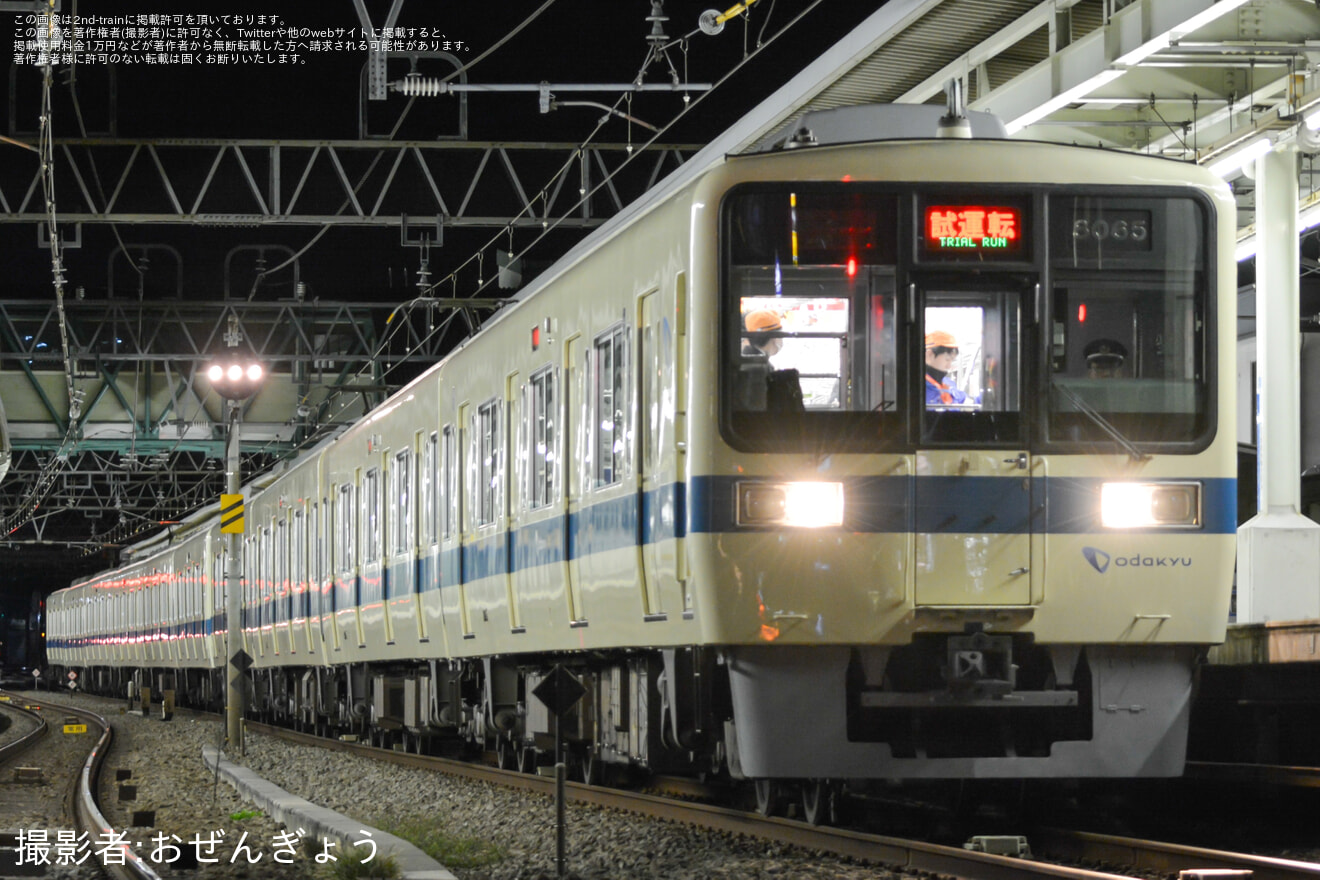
(75, 774)
(1105, 856)
(1265, 774)
(1166, 859)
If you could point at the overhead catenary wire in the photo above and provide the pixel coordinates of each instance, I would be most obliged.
(394, 131)
(452, 278)
(28, 505)
(427, 297)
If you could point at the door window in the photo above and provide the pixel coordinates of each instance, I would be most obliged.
(971, 367)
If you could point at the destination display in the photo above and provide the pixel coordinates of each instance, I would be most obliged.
(973, 231)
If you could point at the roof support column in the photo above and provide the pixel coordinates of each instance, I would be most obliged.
(1278, 573)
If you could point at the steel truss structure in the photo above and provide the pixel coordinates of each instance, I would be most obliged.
(258, 182)
(151, 430)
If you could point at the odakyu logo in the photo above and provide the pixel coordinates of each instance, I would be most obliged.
(1100, 560)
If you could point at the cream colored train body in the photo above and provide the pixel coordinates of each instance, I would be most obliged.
(798, 566)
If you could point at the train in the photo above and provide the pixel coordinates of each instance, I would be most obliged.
(697, 474)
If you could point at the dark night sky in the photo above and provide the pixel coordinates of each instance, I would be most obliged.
(572, 41)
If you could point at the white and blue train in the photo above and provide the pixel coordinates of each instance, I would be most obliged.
(908, 458)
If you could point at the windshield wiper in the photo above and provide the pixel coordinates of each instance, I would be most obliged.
(1093, 415)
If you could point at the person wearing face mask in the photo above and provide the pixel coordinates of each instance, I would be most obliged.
(759, 343)
(941, 351)
(761, 386)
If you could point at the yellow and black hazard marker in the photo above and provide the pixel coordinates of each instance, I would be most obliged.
(231, 514)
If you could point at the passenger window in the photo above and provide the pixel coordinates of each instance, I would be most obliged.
(427, 499)
(449, 468)
(345, 533)
(611, 406)
(298, 564)
(542, 406)
(401, 500)
(489, 465)
(281, 581)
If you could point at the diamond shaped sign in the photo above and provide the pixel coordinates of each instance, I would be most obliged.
(559, 691)
(242, 660)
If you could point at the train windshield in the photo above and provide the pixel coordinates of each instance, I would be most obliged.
(1128, 321)
(812, 353)
(1089, 330)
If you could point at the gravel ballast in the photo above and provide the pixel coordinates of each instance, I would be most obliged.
(512, 833)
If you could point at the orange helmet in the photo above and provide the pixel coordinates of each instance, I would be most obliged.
(761, 321)
(941, 339)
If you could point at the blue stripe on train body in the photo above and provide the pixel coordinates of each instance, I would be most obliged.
(875, 505)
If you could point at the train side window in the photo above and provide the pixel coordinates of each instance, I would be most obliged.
(401, 497)
(298, 564)
(449, 486)
(427, 497)
(489, 465)
(344, 533)
(219, 585)
(371, 515)
(281, 587)
(611, 405)
(267, 576)
(315, 559)
(542, 406)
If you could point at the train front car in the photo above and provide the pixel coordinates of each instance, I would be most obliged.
(964, 507)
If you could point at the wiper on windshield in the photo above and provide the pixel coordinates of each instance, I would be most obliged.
(1093, 415)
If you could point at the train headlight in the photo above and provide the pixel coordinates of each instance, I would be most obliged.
(1146, 505)
(800, 505)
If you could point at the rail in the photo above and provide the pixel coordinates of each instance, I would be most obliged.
(87, 812)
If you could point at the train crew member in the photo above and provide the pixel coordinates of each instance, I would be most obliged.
(758, 347)
(758, 343)
(941, 349)
(1104, 359)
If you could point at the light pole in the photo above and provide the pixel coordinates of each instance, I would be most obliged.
(235, 379)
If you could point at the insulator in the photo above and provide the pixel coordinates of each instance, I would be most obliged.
(710, 23)
(657, 19)
(420, 86)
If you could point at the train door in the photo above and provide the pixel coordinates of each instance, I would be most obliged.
(427, 550)
(575, 401)
(370, 600)
(451, 529)
(650, 503)
(371, 583)
(215, 611)
(282, 593)
(315, 568)
(330, 597)
(507, 522)
(299, 585)
(464, 514)
(345, 592)
(973, 471)
(400, 543)
(261, 589)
